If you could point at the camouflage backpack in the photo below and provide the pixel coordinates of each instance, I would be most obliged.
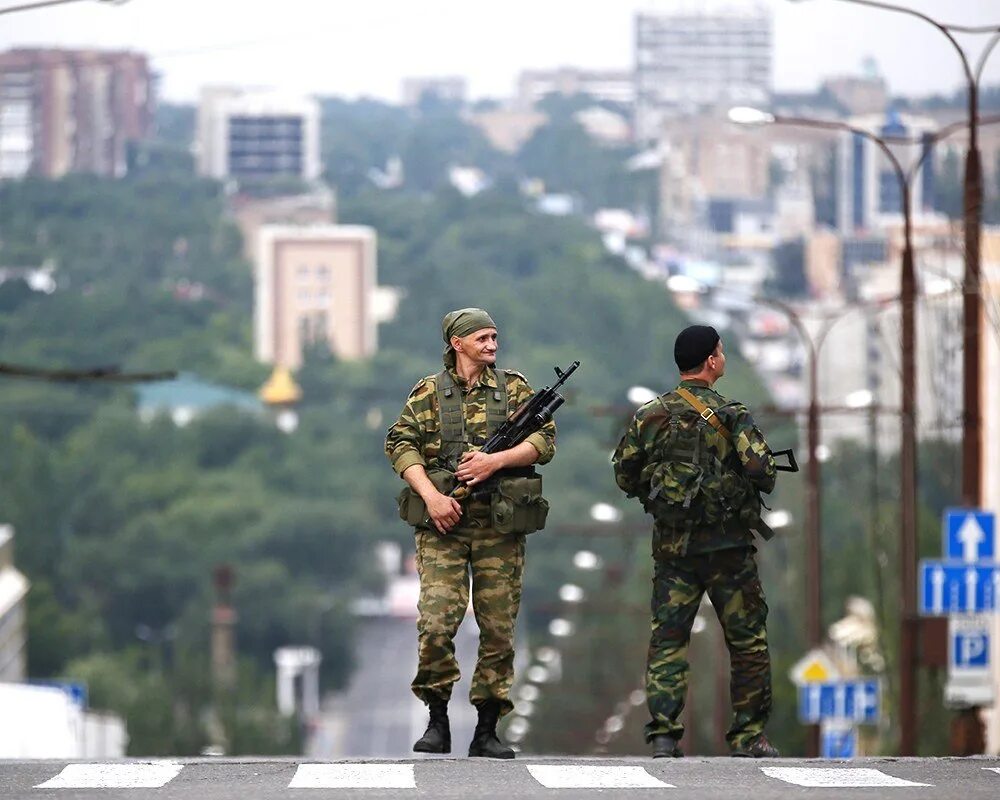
(690, 486)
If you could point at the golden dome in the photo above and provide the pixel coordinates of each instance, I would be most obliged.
(280, 389)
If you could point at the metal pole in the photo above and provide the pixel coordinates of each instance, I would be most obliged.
(814, 575)
(908, 489)
(972, 313)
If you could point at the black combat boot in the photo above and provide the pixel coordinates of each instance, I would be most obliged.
(665, 746)
(437, 737)
(485, 742)
(758, 747)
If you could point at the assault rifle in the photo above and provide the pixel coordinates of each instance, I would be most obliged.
(791, 466)
(528, 419)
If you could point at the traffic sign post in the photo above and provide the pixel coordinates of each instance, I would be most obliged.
(957, 587)
(855, 702)
(969, 535)
(969, 680)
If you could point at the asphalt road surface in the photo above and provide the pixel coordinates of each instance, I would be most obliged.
(378, 716)
(537, 777)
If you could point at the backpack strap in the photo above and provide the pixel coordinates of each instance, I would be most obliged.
(705, 412)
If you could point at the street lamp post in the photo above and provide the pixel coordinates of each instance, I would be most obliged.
(908, 436)
(972, 219)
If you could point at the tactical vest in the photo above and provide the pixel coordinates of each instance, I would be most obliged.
(514, 499)
(454, 437)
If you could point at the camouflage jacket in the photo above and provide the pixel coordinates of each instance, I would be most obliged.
(415, 438)
(749, 452)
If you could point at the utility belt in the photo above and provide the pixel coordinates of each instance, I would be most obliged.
(510, 501)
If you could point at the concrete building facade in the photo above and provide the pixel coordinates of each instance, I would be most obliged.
(13, 613)
(700, 54)
(448, 89)
(616, 86)
(65, 111)
(314, 284)
(257, 135)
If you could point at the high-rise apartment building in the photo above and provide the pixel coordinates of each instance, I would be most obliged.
(699, 54)
(67, 111)
(314, 284)
(250, 135)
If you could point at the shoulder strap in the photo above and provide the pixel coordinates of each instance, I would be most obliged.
(706, 413)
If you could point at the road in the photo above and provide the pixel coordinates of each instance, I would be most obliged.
(523, 779)
(378, 716)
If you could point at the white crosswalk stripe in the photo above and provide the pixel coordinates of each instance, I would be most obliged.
(148, 775)
(589, 777)
(836, 777)
(353, 776)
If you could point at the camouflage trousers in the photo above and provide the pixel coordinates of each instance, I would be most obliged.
(733, 586)
(445, 563)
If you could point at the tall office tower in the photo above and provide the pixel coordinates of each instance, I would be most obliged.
(245, 134)
(67, 111)
(314, 284)
(699, 54)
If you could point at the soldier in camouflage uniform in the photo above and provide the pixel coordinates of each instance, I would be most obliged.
(697, 461)
(470, 398)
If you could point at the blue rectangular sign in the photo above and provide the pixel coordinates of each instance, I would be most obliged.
(852, 701)
(970, 650)
(955, 587)
(839, 743)
(969, 534)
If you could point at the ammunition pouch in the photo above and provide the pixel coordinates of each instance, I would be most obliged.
(517, 505)
(412, 508)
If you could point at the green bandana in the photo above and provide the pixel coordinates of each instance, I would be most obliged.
(461, 323)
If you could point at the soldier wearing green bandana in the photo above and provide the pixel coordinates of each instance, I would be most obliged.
(433, 445)
(697, 462)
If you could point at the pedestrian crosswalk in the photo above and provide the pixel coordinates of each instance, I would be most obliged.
(423, 776)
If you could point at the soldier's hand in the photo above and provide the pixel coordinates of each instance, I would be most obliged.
(444, 511)
(476, 467)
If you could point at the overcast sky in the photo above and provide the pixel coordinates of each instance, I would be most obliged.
(352, 48)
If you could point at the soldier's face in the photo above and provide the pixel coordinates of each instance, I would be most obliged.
(717, 361)
(479, 346)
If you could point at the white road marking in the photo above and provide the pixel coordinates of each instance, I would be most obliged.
(993, 769)
(843, 777)
(580, 777)
(353, 776)
(147, 775)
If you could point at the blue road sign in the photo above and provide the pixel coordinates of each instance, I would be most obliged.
(838, 742)
(969, 534)
(970, 650)
(955, 587)
(852, 701)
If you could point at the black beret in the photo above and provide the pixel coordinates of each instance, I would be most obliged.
(694, 345)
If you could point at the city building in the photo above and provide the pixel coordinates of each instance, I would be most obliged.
(257, 135)
(65, 111)
(449, 89)
(869, 195)
(614, 86)
(700, 54)
(13, 613)
(314, 284)
(315, 207)
(507, 129)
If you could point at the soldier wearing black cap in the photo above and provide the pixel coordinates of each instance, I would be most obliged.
(697, 462)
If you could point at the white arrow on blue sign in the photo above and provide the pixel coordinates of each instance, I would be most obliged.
(852, 701)
(955, 587)
(969, 534)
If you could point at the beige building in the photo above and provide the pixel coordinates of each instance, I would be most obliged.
(318, 207)
(65, 111)
(314, 284)
(13, 613)
(508, 129)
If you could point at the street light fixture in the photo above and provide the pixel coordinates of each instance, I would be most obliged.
(46, 3)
